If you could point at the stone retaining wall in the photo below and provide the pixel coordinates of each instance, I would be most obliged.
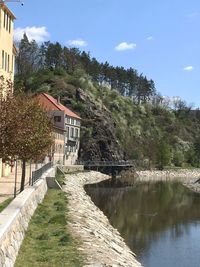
(187, 177)
(72, 168)
(15, 218)
(182, 175)
(100, 242)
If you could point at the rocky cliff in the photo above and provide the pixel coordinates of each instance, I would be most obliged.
(98, 137)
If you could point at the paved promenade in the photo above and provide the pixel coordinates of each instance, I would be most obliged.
(7, 184)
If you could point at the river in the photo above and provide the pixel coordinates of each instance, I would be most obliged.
(160, 221)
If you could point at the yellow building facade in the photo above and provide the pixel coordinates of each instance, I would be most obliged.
(7, 56)
(7, 49)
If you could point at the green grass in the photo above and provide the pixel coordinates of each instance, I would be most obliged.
(60, 178)
(48, 243)
(4, 204)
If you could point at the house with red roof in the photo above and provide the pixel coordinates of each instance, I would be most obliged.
(66, 124)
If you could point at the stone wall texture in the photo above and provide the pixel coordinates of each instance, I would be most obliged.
(181, 175)
(15, 218)
(188, 177)
(99, 241)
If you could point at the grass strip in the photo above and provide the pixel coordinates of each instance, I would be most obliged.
(48, 243)
(4, 204)
(60, 178)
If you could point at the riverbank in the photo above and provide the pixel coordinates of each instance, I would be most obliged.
(47, 241)
(188, 177)
(100, 242)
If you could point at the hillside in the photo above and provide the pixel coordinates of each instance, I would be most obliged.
(114, 127)
(122, 115)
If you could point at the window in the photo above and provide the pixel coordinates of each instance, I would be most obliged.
(12, 63)
(67, 132)
(72, 132)
(7, 21)
(68, 120)
(76, 132)
(3, 56)
(77, 123)
(72, 121)
(5, 65)
(10, 24)
(57, 118)
(4, 22)
(8, 63)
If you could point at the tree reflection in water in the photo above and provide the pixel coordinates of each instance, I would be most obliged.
(146, 211)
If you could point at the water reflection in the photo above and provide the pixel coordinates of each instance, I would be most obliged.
(153, 217)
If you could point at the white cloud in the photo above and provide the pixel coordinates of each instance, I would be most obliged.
(77, 42)
(39, 34)
(188, 68)
(149, 38)
(125, 46)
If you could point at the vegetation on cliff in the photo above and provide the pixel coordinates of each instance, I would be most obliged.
(123, 116)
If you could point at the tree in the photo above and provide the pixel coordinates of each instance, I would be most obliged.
(53, 55)
(25, 130)
(27, 61)
(71, 59)
(163, 154)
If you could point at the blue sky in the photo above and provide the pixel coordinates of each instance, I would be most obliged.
(158, 38)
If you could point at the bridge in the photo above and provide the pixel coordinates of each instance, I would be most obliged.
(128, 163)
(109, 167)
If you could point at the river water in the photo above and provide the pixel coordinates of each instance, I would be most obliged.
(160, 221)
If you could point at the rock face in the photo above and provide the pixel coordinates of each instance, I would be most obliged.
(99, 241)
(99, 141)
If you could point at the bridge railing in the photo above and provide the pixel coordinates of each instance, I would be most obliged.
(107, 163)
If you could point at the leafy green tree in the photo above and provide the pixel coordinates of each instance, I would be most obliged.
(178, 158)
(53, 55)
(163, 154)
(27, 61)
(25, 130)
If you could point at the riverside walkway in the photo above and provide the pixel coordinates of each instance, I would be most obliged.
(7, 183)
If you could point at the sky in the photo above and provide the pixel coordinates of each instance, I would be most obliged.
(160, 39)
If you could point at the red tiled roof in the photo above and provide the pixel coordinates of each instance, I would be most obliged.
(59, 106)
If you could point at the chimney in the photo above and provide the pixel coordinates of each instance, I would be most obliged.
(58, 100)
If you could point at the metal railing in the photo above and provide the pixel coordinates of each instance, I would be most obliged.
(36, 175)
(107, 163)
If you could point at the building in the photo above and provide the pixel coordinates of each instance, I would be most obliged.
(58, 151)
(7, 57)
(7, 48)
(63, 117)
